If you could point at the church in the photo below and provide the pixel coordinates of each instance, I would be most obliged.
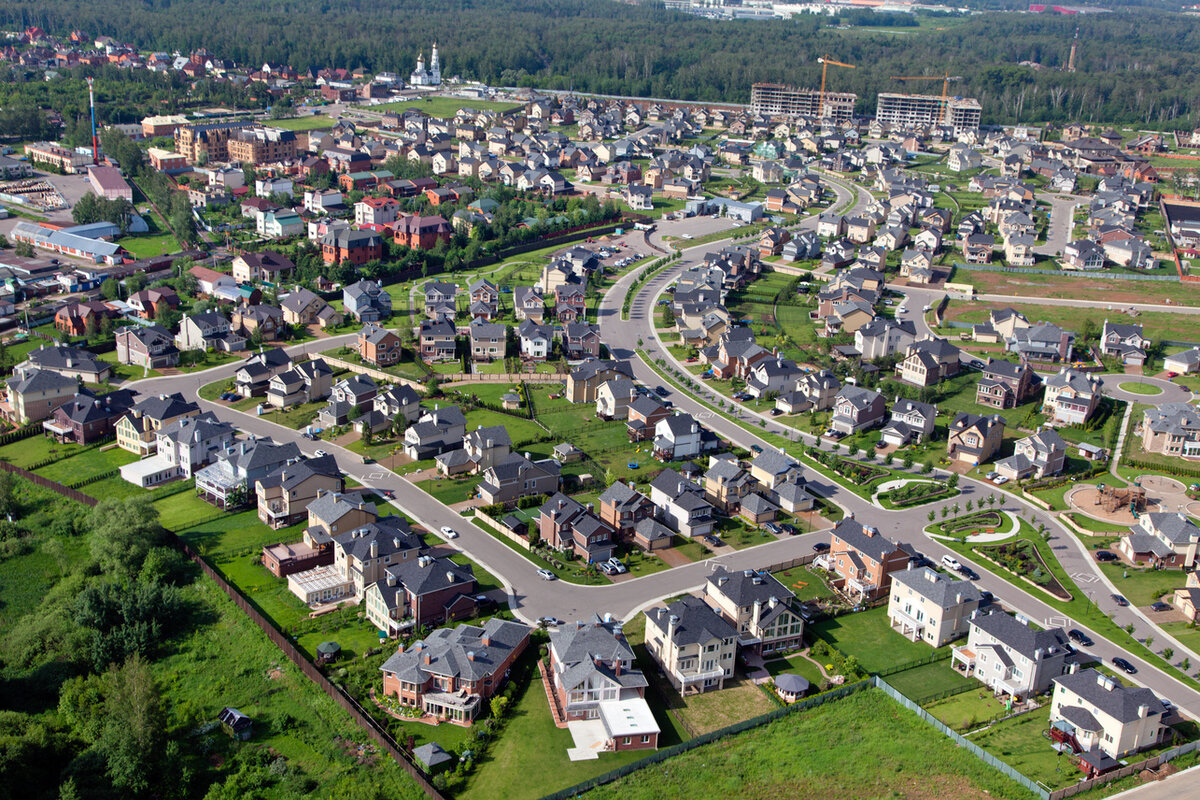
(427, 77)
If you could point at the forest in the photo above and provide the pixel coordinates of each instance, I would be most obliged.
(1136, 65)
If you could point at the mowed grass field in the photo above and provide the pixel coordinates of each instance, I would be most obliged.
(863, 746)
(445, 106)
(1156, 325)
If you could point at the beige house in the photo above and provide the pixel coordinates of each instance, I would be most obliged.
(1101, 713)
(695, 647)
(759, 607)
(1172, 429)
(34, 394)
(138, 430)
(973, 439)
(927, 606)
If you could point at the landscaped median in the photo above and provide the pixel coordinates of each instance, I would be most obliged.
(911, 492)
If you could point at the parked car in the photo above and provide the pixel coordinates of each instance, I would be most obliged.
(950, 562)
(547, 575)
(1080, 638)
(1159, 606)
(821, 547)
(999, 480)
(991, 475)
(449, 533)
(661, 391)
(606, 568)
(756, 450)
(774, 412)
(320, 453)
(1119, 600)
(617, 567)
(1105, 555)
(1124, 665)
(713, 541)
(789, 529)
(482, 601)
(774, 528)
(548, 622)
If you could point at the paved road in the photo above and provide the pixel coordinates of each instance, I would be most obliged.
(623, 337)
(1062, 222)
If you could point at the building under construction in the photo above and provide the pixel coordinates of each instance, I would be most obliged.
(913, 110)
(776, 99)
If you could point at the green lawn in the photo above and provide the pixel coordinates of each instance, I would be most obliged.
(1156, 325)
(930, 680)
(446, 106)
(863, 746)
(805, 582)
(966, 710)
(148, 246)
(310, 123)
(87, 464)
(34, 449)
(1019, 743)
(183, 510)
(530, 759)
(1143, 586)
(798, 665)
(868, 636)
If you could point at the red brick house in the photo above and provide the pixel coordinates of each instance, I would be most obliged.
(75, 318)
(450, 674)
(378, 346)
(420, 233)
(864, 560)
(357, 247)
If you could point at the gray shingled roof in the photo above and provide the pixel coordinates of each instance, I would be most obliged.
(1018, 636)
(942, 590)
(450, 651)
(696, 622)
(1110, 695)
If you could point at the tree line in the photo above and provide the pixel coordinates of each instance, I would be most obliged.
(1135, 65)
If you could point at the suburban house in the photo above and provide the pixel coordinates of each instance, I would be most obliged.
(137, 430)
(1103, 719)
(1041, 342)
(726, 483)
(1037, 456)
(266, 265)
(306, 382)
(147, 346)
(453, 671)
(303, 307)
(536, 340)
(354, 391)
(928, 362)
(911, 421)
(1126, 342)
(1071, 397)
(595, 677)
(622, 507)
(378, 346)
(69, 362)
(580, 340)
(759, 607)
(209, 330)
(481, 448)
(420, 591)
(34, 394)
(181, 448)
(1010, 657)
(284, 494)
(367, 301)
(864, 560)
(360, 558)
(680, 504)
(1004, 384)
(694, 646)
(973, 439)
(584, 381)
(229, 481)
(680, 436)
(517, 476)
(254, 375)
(85, 418)
(437, 341)
(565, 524)
(856, 409)
(772, 468)
(882, 337)
(1172, 429)
(435, 432)
(528, 303)
(1183, 363)
(928, 606)
(1162, 539)
(488, 340)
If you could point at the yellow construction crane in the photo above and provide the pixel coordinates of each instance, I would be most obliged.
(945, 79)
(825, 61)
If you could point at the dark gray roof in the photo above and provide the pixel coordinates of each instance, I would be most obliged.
(1110, 695)
(459, 652)
(696, 622)
(1176, 528)
(872, 544)
(422, 576)
(392, 534)
(743, 588)
(197, 429)
(60, 356)
(1018, 636)
(942, 590)
(291, 475)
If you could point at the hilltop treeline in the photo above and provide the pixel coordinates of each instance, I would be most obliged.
(1135, 66)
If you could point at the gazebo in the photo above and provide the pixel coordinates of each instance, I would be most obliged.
(328, 651)
(791, 687)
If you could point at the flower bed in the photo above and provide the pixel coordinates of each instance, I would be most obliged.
(1022, 558)
(915, 493)
(973, 523)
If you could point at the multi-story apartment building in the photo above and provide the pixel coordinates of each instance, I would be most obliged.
(913, 110)
(778, 99)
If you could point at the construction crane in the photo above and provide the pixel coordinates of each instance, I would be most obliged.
(945, 79)
(825, 61)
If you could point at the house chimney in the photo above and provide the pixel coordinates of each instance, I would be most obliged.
(485, 640)
(1037, 654)
(470, 655)
(450, 576)
(672, 621)
(374, 549)
(1143, 711)
(391, 579)
(428, 659)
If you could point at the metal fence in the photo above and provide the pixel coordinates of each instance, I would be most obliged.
(1120, 276)
(1124, 772)
(960, 740)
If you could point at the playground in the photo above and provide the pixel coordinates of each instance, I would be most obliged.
(1122, 505)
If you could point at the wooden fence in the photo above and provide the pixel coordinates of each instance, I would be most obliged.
(504, 377)
(1124, 772)
(377, 374)
(500, 528)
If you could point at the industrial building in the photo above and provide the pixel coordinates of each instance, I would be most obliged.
(777, 99)
(913, 110)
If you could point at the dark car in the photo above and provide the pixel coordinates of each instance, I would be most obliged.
(483, 602)
(1079, 637)
(986, 597)
(1159, 606)
(1121, 601)
(661, 391)
(756, 449)
(789, 529)
(1122, 664)
(821, 547)
(1105, 555)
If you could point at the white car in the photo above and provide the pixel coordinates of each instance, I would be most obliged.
(547, 575)
(449, 533)
(320, 453)
(999, 480)
(950, 562)
(687, 236)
